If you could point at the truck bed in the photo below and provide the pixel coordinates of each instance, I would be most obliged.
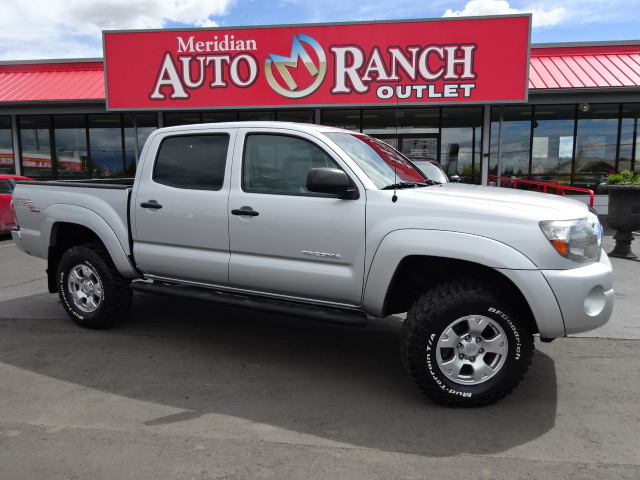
(100, 204)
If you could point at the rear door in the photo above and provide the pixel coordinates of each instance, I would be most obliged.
(286, 240)
(180, 208)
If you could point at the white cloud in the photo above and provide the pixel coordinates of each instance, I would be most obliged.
(34, 28)
(541, 18)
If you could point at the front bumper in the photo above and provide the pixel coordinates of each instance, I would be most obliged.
(584, 294)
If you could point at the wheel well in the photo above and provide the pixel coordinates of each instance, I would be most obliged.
(63, 237)
(416, 274)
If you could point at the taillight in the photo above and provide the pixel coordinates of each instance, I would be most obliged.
(13, 209)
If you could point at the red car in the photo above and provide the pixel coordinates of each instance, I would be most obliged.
(7, 184)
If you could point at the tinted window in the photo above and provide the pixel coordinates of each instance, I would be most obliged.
(382, 163)
(6, 186)
(192, 161)
(280, 164)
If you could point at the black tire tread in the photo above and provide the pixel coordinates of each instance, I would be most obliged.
(435, 302)
(120, 297)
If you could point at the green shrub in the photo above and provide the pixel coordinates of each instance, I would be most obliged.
(624, 178)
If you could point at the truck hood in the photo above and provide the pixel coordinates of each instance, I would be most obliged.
(511, 217)
(510, 202)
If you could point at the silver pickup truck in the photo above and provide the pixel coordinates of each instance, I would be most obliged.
(331, 225)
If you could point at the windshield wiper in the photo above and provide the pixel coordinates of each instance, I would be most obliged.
(401, 185)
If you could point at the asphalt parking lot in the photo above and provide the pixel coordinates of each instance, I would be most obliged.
(190, 390)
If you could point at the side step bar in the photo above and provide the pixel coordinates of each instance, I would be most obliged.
(330, 315)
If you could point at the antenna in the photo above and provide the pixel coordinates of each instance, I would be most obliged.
(398, 114)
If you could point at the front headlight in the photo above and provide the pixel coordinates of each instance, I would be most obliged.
(577, 240)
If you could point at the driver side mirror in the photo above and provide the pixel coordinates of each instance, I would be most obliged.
(331, 181)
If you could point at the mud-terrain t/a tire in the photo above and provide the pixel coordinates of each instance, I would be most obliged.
(91, 289)
(464, 345)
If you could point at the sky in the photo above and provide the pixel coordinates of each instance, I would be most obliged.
(56, 29)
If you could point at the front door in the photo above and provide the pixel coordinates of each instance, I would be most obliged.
(286, 240)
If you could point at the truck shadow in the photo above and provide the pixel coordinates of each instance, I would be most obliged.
(338, 383)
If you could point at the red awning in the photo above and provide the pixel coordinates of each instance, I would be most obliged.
(34, 82)
(602, 66)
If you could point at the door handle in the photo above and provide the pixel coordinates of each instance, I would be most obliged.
(245, 211)
(151, 204)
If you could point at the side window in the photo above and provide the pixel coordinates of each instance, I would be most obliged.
(192, 161)
(280, 164)
(6, 187)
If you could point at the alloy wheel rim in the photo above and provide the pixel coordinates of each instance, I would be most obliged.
(85, 288)
(472, 350)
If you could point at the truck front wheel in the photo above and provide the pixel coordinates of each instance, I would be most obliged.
(92, 291)
(464, 345)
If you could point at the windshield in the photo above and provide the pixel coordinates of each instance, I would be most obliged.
(383, 164)
(430, 169)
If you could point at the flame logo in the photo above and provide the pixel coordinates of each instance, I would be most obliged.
(298, 54)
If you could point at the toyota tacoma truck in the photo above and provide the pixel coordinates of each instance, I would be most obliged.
(332, 225)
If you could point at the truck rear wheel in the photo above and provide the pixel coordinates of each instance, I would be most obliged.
(93, 292)
(464, 345)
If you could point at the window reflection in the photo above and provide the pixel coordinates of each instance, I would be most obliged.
(142, 124)
(36, 146)
(173, 119)
(257, 115)
(347, 119)
(106, 158)
(596, 145)
(552, 143)
(70, 136)
(298, 116)
(516, 141)
(461, 140)
(570, 146)
(629, 139)
(413, 131)
(7, 162)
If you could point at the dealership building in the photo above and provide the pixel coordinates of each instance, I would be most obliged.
(472, 93)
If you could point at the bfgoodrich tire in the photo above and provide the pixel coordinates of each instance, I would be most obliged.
(464, 345)
(92, 291)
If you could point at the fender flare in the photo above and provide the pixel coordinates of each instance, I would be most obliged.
(84, 217)
(510, 262)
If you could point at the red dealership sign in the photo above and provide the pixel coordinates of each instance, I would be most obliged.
(472, 60)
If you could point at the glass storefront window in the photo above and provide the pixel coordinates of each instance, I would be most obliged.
(298, 116)
(348, 119)
(382, 122)
(7, 162)
(106, 156)
(257, 115)
(461, 142)
(35, 140)
(172, 119)
(405, 121)
(552, 143)
(413, 131)
(516, 141)
(221, 116)
(142, 124)
(629, 138)
(596, 145)
(70, 138)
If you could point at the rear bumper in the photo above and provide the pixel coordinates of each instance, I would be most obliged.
(17, 239)
(585, 295)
